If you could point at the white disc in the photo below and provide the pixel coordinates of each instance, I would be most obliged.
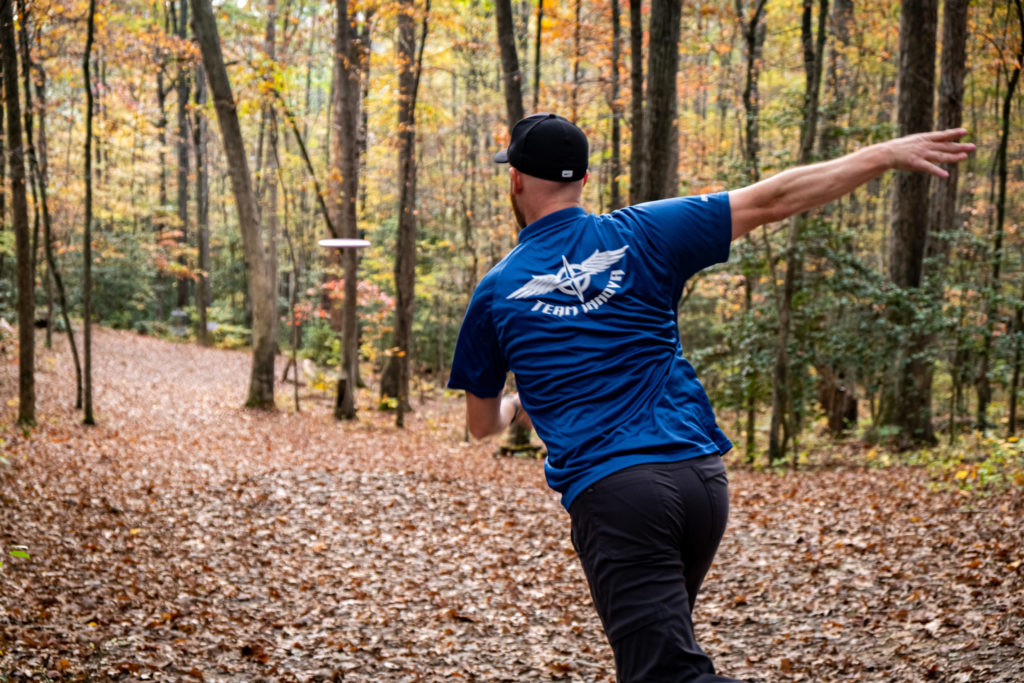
(343, 243)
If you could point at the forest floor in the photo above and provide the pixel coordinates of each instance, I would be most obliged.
(184, 538)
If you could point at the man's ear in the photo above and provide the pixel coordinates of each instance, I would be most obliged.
(516, 180)
(586, 177)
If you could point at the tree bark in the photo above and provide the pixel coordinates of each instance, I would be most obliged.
(615, 186)
(783, 412)
(181, 146)
(40, 173)
(200, 135)
(753, 30)
(264, 325)
(512, 77)
(906, 402)
(88, 418)
(942, 215)
(636, 88)
(660, 105)
(410, 65)
(19, 210)
(992, 312)
(536, 55)
(345, 148)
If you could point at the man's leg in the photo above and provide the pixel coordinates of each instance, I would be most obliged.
(646, 536)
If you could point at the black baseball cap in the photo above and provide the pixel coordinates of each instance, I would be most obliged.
(547, 146)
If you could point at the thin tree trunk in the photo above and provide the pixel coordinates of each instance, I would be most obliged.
(992, 313)
(271, 215)
(261, 382)
(574, 92)
(41, 169)
(89, 419)
(1018, 337)
(512, 77)
(405, 262)
(943, 205)
(536, 55)
(753, 37)
(615, 185)
(783, 413)
(161, 137)
(636, 88)
(19, 207)
(199, 137)
(181, 145)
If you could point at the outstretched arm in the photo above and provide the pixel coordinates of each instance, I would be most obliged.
(487, 416)
(805, 187)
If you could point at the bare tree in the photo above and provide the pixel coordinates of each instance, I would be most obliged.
(262, 296)
(19, 208)
(88, 418)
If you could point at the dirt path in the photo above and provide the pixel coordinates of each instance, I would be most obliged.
(186, 539)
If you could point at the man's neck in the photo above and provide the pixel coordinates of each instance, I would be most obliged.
(549, 208)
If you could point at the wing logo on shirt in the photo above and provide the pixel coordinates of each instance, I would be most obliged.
(572, 278)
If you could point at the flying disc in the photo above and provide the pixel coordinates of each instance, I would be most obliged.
(343, 243)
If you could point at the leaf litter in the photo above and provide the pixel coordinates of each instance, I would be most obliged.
(185, 538)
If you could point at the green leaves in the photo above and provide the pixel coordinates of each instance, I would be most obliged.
(17, 551)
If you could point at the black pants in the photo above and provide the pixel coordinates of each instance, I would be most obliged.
(646, 536)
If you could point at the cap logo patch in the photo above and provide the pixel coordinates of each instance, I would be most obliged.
(567, 174)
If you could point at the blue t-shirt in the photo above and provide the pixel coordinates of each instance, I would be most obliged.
(583, 311)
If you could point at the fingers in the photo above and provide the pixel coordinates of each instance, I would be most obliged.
(948, 134)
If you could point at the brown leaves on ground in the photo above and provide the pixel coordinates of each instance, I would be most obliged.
(185, 538)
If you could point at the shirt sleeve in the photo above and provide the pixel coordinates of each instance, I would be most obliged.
(479, 366)
(687, 233)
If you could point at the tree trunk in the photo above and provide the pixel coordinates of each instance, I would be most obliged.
(636, 88)
(783, 412)
(906, 402)
(660, 132)
(992, 313)
(536, 55)
(943, 205)
(199, 137)
(753, 37)
(181, 146)
(512, 77)
(19, 209)
(261, 381)
(271, 215)
(88, 418)
(345, 148)
(405, 261)
(161, 137)
(615, 186)
(574, 91)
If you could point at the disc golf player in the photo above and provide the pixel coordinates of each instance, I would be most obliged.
(583, 311)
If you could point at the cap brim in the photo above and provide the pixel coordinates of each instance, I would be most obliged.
(501, 157)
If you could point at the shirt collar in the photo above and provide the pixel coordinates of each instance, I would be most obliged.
(550, 221)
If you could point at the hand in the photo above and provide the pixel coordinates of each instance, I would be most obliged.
(921, 152)
(519, 416)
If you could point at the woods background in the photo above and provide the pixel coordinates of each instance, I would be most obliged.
(895, 314)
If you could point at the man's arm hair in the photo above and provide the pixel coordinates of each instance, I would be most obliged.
(805, 187)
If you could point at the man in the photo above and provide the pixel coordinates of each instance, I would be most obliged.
(583, 311)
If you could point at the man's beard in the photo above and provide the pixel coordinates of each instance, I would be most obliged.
(520, 218)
